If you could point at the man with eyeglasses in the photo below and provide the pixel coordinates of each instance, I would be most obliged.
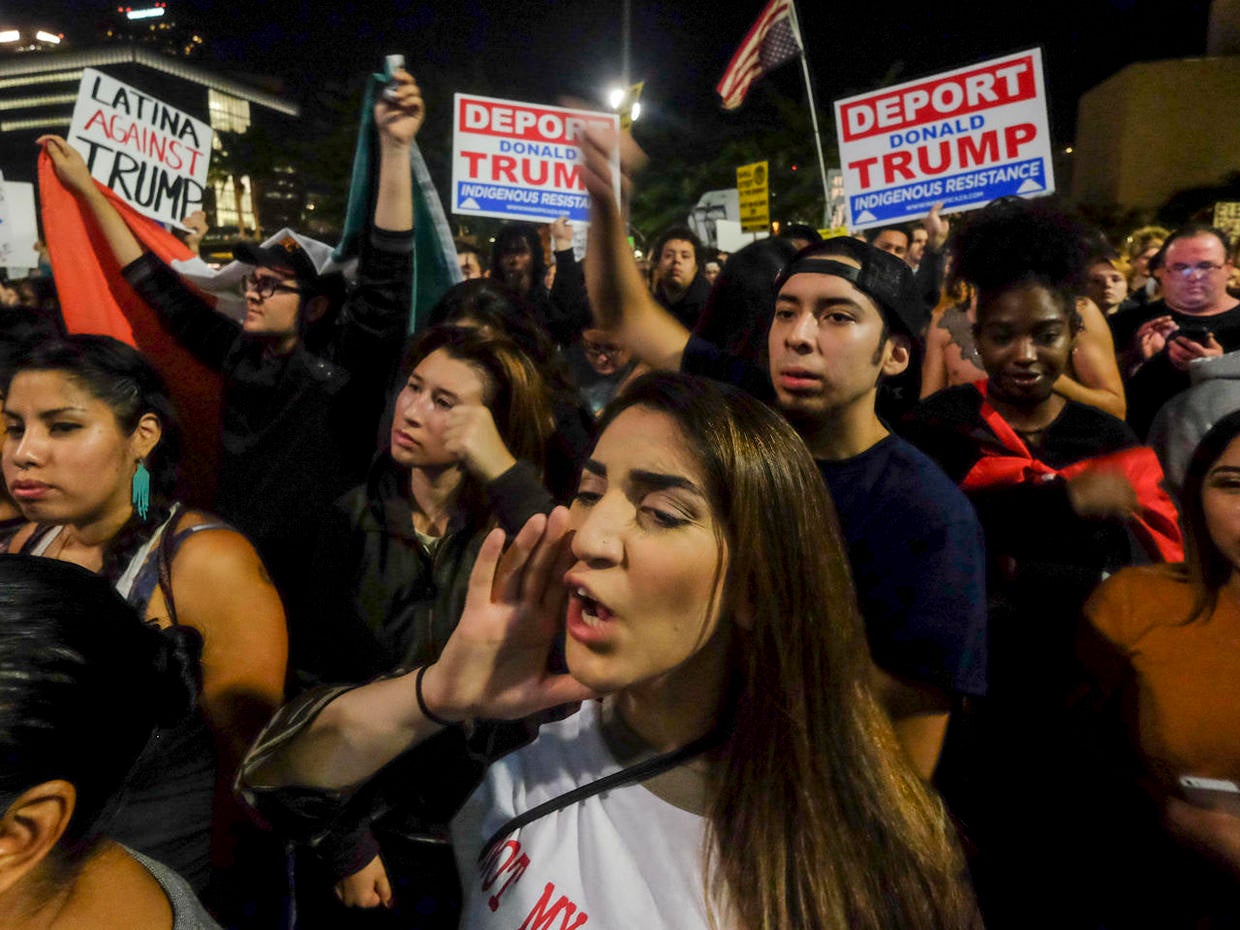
(306, 371)
(1195, 319)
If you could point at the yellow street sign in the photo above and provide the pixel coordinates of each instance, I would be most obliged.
(753, 186)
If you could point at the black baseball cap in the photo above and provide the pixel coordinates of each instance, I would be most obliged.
(882, 277)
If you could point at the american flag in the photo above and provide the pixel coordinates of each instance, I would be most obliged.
(768, 44)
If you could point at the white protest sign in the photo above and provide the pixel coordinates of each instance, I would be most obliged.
(963, 137)
(18, 226)
(150, 154)
(520, 161)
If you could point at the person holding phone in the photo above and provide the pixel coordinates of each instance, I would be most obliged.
(1160, 651)
(1196, 318)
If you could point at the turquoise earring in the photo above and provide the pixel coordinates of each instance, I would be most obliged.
(140, 493)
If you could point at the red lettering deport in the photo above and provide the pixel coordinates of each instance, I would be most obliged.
(1002, 82)
(513, 121)
(938, 157)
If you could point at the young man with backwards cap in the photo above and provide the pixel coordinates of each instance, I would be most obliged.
(307, 368)
(845, 317)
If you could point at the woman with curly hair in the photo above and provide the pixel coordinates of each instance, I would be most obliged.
(1065, 495)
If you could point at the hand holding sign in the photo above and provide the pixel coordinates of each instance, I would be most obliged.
(151, 155)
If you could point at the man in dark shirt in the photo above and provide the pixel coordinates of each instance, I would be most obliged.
(1196, 318)
(680, 287)
(844, 318)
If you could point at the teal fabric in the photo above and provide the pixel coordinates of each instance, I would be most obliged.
(435, 268)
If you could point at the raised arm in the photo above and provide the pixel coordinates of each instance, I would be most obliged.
(377, 312)
(399, 113)
(191, 321)
(618, 297)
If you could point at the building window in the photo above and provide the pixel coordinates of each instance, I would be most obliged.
(226, 204)
(227, 113)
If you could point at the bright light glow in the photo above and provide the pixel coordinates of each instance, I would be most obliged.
(615, 97)
(149, 13)
(1068, 150)
(47, 37)
(10, 35)
(637, 111)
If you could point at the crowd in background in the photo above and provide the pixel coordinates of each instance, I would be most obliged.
(901, 580)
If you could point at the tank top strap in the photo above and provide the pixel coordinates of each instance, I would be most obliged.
(42, 537)
(140, 576)
(169, 546)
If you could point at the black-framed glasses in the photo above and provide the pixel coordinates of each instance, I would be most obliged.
(266, 287)
(1199, 270)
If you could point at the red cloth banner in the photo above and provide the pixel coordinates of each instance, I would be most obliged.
(95, 298)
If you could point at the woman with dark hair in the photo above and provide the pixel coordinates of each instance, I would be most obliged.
(1160, 647)
(465, 454)
(83, 684)
(1061, 487)
(1092, 374)
(90, 455)
(739, 772)
(496, 310)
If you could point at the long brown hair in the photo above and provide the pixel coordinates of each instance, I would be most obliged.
(815, 818)
(512, 389)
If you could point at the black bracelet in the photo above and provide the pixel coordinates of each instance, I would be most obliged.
(426, 711)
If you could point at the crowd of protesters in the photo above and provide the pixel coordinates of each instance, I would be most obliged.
(885, 580)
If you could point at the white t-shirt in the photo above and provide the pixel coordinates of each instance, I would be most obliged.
(621, 859)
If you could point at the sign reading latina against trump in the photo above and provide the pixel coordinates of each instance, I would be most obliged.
(520, 161)
(150, 154)
(963, 138)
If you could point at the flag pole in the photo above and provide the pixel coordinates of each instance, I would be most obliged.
(813, 110)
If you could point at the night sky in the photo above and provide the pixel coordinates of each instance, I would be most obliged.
(540, 52)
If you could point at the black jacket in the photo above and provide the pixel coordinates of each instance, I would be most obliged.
(378, 597)
(689, 306)
(298, 430)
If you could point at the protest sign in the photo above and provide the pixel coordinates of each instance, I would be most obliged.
(710, 208)
(520, 161)
(963, 137)
(151, 155)
(753, 184)
(18, 226)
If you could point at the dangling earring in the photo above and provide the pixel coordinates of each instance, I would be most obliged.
(140, 491)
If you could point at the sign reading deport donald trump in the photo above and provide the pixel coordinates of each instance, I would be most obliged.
(962, 138)
(520, 161)
(151, 155)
